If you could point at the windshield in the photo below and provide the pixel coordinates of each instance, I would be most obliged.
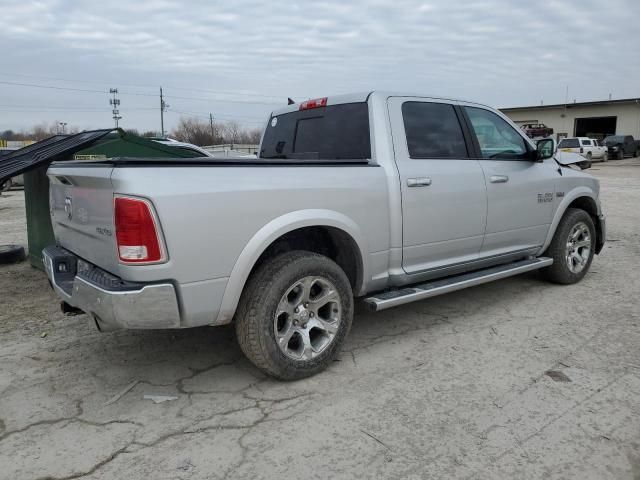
(336, 132)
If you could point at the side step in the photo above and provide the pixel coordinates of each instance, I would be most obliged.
(393, 298)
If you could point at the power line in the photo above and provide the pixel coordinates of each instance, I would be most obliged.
(42, 108)
(52, 87)
(221, 115)
(86, 90)
(139, 85)
(198, 115)
(19, 108)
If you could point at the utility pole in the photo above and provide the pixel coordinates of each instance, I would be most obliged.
(213, 136)
(115, 102)
(163, 108)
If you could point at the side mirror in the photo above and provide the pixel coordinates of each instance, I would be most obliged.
(544, 149)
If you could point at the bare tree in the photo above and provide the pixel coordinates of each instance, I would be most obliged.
(252, 136)
(232, 131)
(191, 130)
(199, 132)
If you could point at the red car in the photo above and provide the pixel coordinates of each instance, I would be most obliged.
(536, 130)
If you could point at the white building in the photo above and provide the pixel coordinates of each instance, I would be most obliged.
(584, 119)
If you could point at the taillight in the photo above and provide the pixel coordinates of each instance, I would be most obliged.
(581, 150)
(136, 231)
(315, 103)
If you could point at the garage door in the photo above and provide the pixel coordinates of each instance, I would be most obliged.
(595, 127)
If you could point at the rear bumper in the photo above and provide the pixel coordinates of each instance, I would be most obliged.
(112, 302)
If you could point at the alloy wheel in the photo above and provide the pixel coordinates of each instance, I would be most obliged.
(307, 318)
(578, 248)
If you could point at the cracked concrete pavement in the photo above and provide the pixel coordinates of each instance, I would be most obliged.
(515, 379)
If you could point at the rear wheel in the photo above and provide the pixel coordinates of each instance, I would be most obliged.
(589, 156)
(294, 314)
(572, 248)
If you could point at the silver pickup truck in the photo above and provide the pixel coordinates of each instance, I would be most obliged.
(391, 197)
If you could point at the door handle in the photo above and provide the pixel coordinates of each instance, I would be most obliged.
(418, 182)
(499, 179)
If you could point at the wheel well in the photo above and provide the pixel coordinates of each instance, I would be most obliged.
(329, 241)
(588, 204)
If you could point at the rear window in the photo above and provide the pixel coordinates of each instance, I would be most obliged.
(569, 143)
(336, 132)
(433, 130)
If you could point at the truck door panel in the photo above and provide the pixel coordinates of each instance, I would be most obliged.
(444, 205)
(520, 191)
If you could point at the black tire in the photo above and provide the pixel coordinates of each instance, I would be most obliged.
(589, 156)
(584, 165)
(637, 154)
(255, 318)
(620, 154)
(560, 272)
(11, 254)
(605, 157)
(6, 186)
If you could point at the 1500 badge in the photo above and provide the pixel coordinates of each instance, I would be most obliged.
(545, 197)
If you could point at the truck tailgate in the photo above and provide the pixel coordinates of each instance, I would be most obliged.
(81, 202)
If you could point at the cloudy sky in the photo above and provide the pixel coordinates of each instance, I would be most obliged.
(241, 59)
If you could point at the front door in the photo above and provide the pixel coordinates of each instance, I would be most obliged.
(444, 204)
(520, 191)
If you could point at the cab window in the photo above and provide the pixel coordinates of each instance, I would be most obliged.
(433, 130)
(497, 139)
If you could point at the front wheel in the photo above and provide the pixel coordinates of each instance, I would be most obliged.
(605, 157)
(620, 155)
(294, 314)
(572, 248)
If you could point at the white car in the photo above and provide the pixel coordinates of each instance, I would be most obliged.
(170, 142)
(589, 148)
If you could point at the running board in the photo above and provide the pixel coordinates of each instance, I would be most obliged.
(393, 298)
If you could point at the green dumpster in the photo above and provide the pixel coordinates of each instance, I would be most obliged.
(36, 184)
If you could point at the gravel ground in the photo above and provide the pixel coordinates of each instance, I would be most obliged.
(517, 379)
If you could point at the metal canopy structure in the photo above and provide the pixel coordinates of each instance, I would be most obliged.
(58, 147)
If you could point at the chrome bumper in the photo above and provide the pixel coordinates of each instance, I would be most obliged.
(113, 303)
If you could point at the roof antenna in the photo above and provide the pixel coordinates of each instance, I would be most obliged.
(290, 102)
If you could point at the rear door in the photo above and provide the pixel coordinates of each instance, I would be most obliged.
(520, 192)
(444, 204)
